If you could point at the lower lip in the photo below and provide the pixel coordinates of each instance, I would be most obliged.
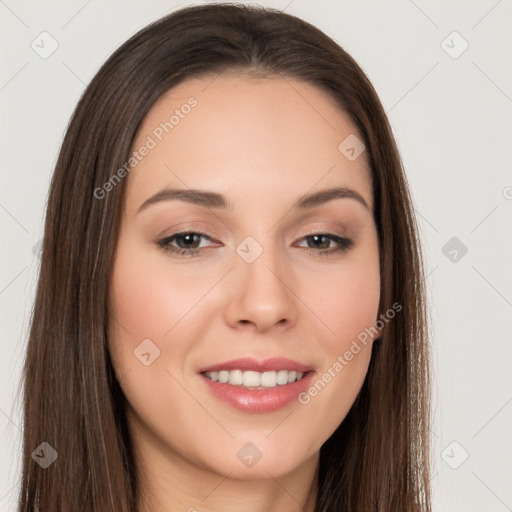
(254, 400)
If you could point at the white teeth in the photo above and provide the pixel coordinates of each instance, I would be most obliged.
(255, 379)
(292, 376)
(250, 379)
(268, 379)
(236, 377)
(282, 377)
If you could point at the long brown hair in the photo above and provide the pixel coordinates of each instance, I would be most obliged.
(378, 458)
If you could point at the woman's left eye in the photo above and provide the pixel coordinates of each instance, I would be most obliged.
(343, 243)
(187, 243)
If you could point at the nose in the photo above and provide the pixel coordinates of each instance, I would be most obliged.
(262, 293)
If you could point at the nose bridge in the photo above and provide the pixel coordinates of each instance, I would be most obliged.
(261, 264)
(263, 294)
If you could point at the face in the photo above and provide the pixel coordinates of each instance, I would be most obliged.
(261, 276)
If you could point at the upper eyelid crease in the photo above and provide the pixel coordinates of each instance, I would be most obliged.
(215, 200)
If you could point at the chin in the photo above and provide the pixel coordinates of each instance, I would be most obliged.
(258, 460)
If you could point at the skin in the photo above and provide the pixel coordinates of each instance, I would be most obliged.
(262, 143)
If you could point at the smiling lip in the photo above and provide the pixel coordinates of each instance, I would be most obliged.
(267, 365)
(258, 400)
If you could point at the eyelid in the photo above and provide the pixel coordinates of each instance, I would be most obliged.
(190, 226)
(326, 231)
(327, 228)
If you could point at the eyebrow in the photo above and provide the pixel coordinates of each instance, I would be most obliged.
(209, 199)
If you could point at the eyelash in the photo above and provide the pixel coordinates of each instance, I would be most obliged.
(343, 244)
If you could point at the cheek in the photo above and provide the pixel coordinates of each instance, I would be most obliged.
(345, 298)
(148, 310)
(146, 302)
(146, 299)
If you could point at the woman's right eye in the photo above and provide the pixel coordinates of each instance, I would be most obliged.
(188, 247)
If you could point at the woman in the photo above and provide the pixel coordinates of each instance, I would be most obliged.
(230, 312)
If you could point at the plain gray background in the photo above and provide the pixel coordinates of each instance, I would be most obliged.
(450, 108)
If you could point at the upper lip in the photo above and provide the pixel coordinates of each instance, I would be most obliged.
(258, 365)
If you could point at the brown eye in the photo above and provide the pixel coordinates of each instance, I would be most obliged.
(321, 243)
(186, 241)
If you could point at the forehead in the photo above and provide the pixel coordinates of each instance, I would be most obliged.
(248, 136)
